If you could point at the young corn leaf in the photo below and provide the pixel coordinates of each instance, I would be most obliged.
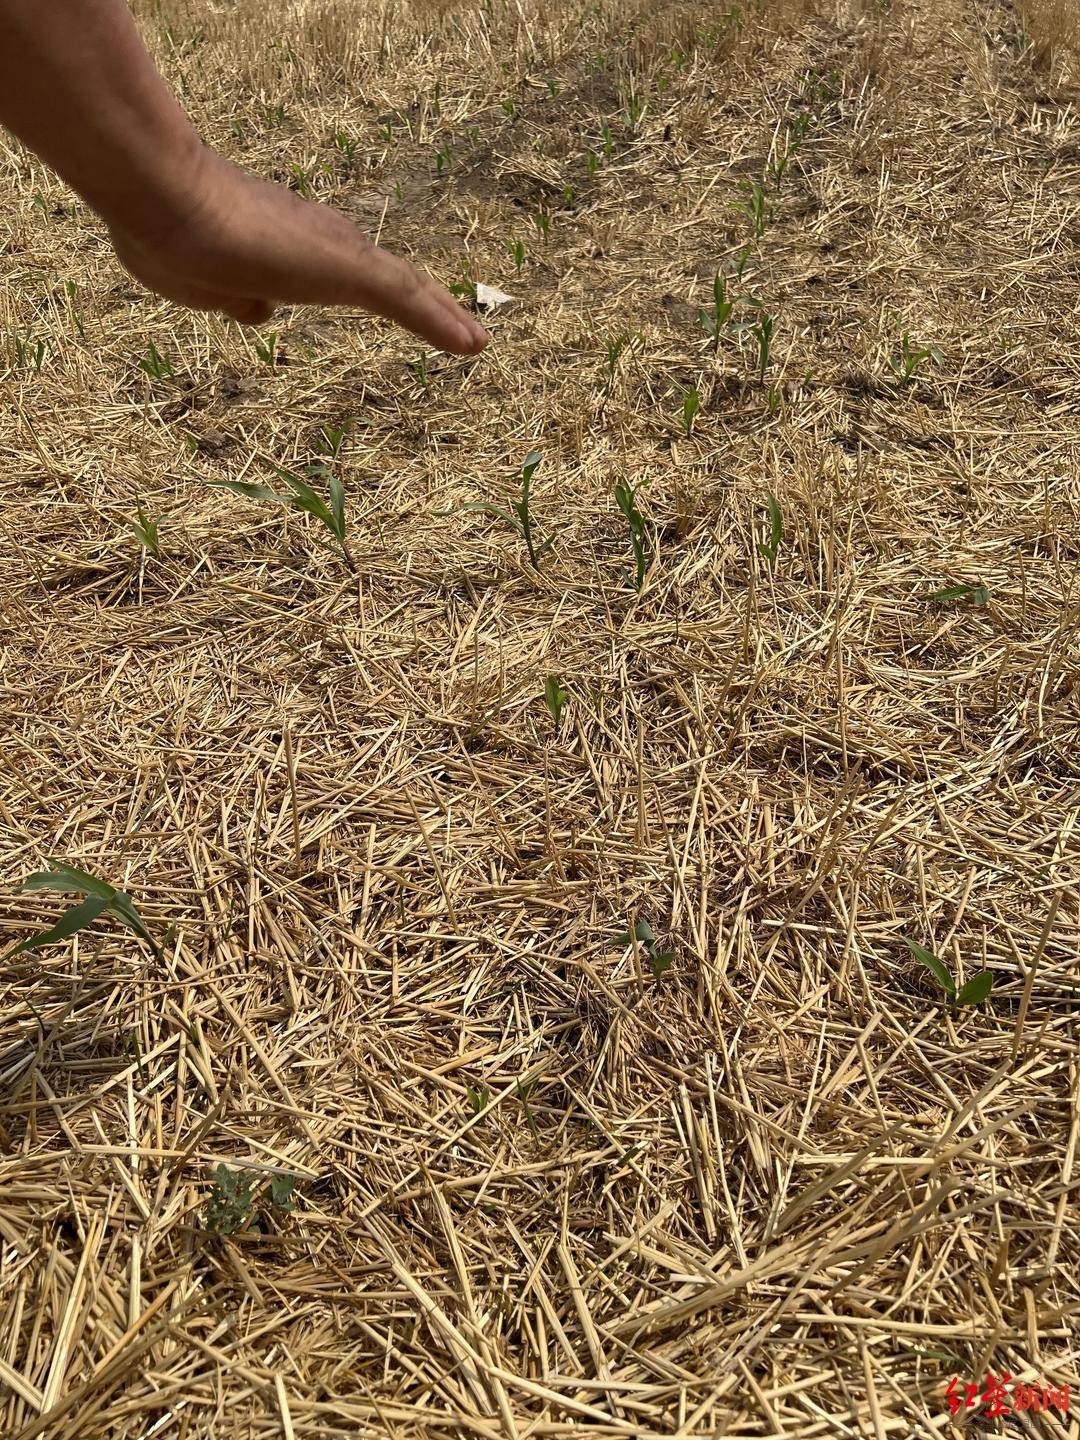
(975, 990)
(936, 967)
(555, 697)
(76, 918)
(337, 507)
(528, 469)
(978, 594)
(251, 491)
(65, 877)
(768, 549)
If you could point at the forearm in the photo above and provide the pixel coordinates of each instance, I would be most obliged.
(78, 87)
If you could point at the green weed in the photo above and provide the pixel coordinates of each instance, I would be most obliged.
(231, 1204)
(972, 992)
(266, 349)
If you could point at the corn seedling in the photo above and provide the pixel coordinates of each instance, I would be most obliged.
(274, 115)
(977, 594)
(769, 548)
(442, 157)
(626, 499)
(542, 223)
(473, 134)
(555, 697)
(478, 1098)
(29, 353)
(346, 146)
(386, 131)
(716, 320)
(972, 992)
(436, 99)
(100, 899)
(509, 106)
(71, 290)
(517, 252)
(553, 86)
(156, 365)
(145, 530)
(266, 349)
(614, 345)
(906, 365)
(691, 404)
(635, 109)
(301, 180)
(304, 499)
(608, 139)
(659, 960)
(519, 515)
(331, 438)
(756, 207)
(762, 333)
(568, 197)
(397, 189)
(591, 161)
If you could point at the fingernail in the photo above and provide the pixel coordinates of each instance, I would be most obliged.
(472, 335)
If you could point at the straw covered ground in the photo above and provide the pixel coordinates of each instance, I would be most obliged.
(491, 1170)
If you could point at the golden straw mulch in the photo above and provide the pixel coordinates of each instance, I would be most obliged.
(501, 1173)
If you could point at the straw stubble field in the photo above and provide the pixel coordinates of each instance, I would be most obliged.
(492, 1170)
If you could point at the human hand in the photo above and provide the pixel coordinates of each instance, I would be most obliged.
(241, 246)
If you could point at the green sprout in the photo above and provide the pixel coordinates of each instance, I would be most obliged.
(29, 351)
(716, 320)
(691, 404)
(231, 1204)
(346, 145)
(762, 333)
(304, 499)
(769, 548)
(659, 960)
(478, 1098)
(519, 516)
(626, 499)
(906, 365)
(977, 594)
(145, 530)
(972, 992)
(443, 157)
(614, 345)
(101, 898)
(266, 349)
(555, 697)
(755, 207)
(542, 223)
(156, 365)
(517, 252)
